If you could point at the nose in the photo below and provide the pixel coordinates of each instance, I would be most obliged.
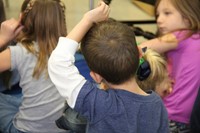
(159, 19)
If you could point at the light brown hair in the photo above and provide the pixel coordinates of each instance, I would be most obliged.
(190, 10)
(44, 22)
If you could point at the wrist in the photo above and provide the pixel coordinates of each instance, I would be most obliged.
(3, 42)
(87, 20)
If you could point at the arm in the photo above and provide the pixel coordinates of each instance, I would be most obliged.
(9, 30)
(96, 15)
(162, 44)
(61, 67)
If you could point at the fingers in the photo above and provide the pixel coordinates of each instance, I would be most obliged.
(10, 24)
(10, 29)
(100, 13)
(105, 9)
(18, 29)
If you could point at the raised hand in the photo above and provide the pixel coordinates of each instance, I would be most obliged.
(9, 30)
(98, 14)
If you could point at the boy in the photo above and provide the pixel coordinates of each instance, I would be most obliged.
(113, 57)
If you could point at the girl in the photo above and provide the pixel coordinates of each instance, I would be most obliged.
(43, 22)
(179, 27)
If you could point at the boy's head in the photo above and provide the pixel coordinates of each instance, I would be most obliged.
(110, 50)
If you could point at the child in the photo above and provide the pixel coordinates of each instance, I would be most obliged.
(113, 57)
(152, 74)
(41, 103)
(179, 27)
(158, 79)
(8, 80)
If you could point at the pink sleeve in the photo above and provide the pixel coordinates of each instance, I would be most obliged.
(180, 35)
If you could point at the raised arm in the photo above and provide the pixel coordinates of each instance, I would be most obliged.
(61, 67)
(9, 30)
(162, 44)
(96, 15)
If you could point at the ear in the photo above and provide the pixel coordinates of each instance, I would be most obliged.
(186, 21)
(97, 78)
(20, 16)
(140, 51)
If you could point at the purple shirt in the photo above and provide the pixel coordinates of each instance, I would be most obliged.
(184, 64)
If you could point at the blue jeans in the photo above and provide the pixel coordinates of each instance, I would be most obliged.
(9, 106)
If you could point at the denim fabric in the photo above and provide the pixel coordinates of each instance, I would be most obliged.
(72, 120)
(177, 127)
(82, 66)
(9, 106)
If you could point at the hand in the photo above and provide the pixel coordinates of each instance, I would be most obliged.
(103, 86)
(98, 14)
(165, 87)
(9, 30)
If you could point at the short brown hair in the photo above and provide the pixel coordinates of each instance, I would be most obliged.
(110, 50)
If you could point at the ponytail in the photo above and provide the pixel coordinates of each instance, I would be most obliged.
(158, 67)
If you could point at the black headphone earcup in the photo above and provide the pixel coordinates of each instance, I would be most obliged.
(144, 71)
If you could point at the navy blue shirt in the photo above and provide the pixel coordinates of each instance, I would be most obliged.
(120, 111)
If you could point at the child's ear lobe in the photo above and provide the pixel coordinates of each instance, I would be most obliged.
(140, 51)
(97, 78)
(20, 16)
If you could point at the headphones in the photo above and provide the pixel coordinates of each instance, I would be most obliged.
(144, 69)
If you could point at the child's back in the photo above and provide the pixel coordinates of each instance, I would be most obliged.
(41, 105)
(121, 111)
(112, 55)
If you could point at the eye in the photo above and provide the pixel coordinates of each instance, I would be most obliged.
(157, 15)
(167, 13)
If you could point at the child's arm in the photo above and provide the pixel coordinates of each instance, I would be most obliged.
(162, 44)
(96, 15)
(9, 30)
(61, 67)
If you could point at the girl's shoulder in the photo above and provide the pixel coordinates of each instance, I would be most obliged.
(169, 38)
(186, 34)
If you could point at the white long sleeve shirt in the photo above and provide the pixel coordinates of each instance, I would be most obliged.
(111, 111)
(62, 70)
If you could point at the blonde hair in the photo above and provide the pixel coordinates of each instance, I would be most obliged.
(44, 22)
(158, 68)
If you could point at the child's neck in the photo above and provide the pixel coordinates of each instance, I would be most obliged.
(130, 86)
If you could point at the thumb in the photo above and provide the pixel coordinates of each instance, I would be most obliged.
(18, 29)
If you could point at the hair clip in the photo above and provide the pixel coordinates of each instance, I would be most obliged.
(144, 70)
(144, 49)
